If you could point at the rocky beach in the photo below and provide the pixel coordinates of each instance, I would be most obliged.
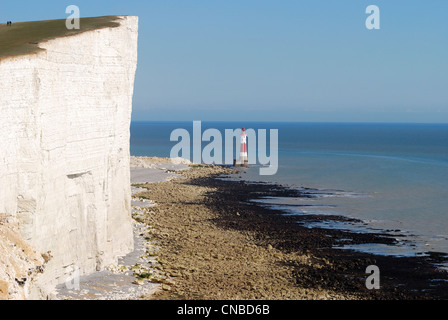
(214, 243)
(201, 237)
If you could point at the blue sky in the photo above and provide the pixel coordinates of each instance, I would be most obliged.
(287, 60)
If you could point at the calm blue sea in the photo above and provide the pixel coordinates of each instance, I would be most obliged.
(391, 176)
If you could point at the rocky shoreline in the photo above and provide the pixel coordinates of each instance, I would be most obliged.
(216, 244)
(201, 237)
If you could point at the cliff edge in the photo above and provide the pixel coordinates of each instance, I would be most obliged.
(65, 113)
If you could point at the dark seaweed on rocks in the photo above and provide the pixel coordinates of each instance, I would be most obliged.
(401, 277)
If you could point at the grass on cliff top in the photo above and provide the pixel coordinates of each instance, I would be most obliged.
(23, 37)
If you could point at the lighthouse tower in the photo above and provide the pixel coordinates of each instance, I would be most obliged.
(243, 160)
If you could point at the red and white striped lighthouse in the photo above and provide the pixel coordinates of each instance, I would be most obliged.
(243, 160)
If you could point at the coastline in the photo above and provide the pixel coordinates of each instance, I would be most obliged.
(201, 237)
(216, 244)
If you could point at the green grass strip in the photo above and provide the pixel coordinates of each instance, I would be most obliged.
(23, 37)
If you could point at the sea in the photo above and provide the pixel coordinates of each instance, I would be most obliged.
(393, 177)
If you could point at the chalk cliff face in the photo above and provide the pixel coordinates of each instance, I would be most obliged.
(64, 148)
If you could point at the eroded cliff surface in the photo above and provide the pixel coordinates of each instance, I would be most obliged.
(65, 114)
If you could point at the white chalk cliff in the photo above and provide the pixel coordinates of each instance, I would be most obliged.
(65, 115)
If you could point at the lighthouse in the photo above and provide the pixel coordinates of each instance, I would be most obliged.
(243, 160)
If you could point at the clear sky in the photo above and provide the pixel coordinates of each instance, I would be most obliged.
(279, 60)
